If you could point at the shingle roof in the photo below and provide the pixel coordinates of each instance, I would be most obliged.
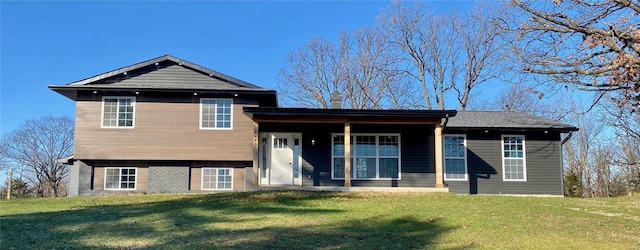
(504, 119)
(166, 74)
(169, 58)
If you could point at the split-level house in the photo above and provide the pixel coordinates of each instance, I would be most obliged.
(168, 125)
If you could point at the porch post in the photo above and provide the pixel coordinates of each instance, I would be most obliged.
(256, 155)
(347, 154)
(438, 155)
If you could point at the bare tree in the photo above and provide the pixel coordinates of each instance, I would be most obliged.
(484, 48)
(38, 144)
(313, 74)
(445, 53)
(580, 152)
(594, 45)
(421, 40)
(359, 65)
(369, 71)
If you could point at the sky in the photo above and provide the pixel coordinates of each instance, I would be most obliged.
(53, 43)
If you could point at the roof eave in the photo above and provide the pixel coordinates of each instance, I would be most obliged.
(71, 91)
(349, 112)
(559, 129)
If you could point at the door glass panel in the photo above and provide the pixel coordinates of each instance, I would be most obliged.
(280, 143)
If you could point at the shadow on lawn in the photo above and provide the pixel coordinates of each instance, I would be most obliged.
(193, 222)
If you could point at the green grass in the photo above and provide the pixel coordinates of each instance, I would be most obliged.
(320, 220)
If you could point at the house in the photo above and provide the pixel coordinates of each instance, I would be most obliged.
(168, 125)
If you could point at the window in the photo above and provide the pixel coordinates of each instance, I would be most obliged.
(280, 143)
(215, 113)
(513, 158)
(117, 112)
(373, 156)
(120, 178)
(455, 158)
(217, 179)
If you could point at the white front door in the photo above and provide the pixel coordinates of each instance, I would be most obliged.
(282, 159)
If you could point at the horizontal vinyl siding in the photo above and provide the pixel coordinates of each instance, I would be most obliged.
(165, 129)
(142, 175)
(484, 163)
(238, 174)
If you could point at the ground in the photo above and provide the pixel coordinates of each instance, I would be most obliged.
(321, 220)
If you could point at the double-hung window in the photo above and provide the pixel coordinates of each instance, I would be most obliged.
(216, 113)
(217, 178)
(455, 158)
(118, 112)
(513, 158)
(120, 178)
(373, 156)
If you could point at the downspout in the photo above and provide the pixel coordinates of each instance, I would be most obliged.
(566, 138)
(562, 159)
(446, 120)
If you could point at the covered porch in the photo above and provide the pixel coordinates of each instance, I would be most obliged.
(304, 148)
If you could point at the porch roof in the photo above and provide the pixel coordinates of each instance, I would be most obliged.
(395, 116)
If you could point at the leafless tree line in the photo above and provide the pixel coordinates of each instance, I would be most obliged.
(411, 59)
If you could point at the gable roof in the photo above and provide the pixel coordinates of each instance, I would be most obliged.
(165, 73)
(504, 120)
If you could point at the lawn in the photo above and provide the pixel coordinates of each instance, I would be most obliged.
(321, 220)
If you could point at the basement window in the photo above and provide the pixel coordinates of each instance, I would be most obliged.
(217, 178)
(120, 178)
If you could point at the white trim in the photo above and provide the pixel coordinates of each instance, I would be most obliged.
(133, 118)
(119, 179)
(444, 157)
(524, 158)
(264, 158)
(216, 181)
(216, 114)
(377, 156)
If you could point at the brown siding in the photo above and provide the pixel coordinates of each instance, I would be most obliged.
(238, 179)
(142, 182)
(165, 129)
(196, 179)
(238, 174)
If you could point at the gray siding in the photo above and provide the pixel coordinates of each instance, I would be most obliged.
(74, 174)
(484, 163)
(168, 76)
(85, 175)
(417, 162)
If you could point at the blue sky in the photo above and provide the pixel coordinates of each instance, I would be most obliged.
(44, 43)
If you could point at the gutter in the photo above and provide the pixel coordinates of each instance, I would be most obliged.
(566, 138)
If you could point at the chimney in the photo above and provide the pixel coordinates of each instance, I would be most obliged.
(336, 100)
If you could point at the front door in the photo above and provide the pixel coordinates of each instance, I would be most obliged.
(282, 159)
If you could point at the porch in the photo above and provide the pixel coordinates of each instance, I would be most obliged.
(389, 149)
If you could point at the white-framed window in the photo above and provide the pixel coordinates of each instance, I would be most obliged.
(120, 178)
(118, 111)
(373, 156)
(217, 178)
(216, 113)
(513, 158)
(455, 157)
